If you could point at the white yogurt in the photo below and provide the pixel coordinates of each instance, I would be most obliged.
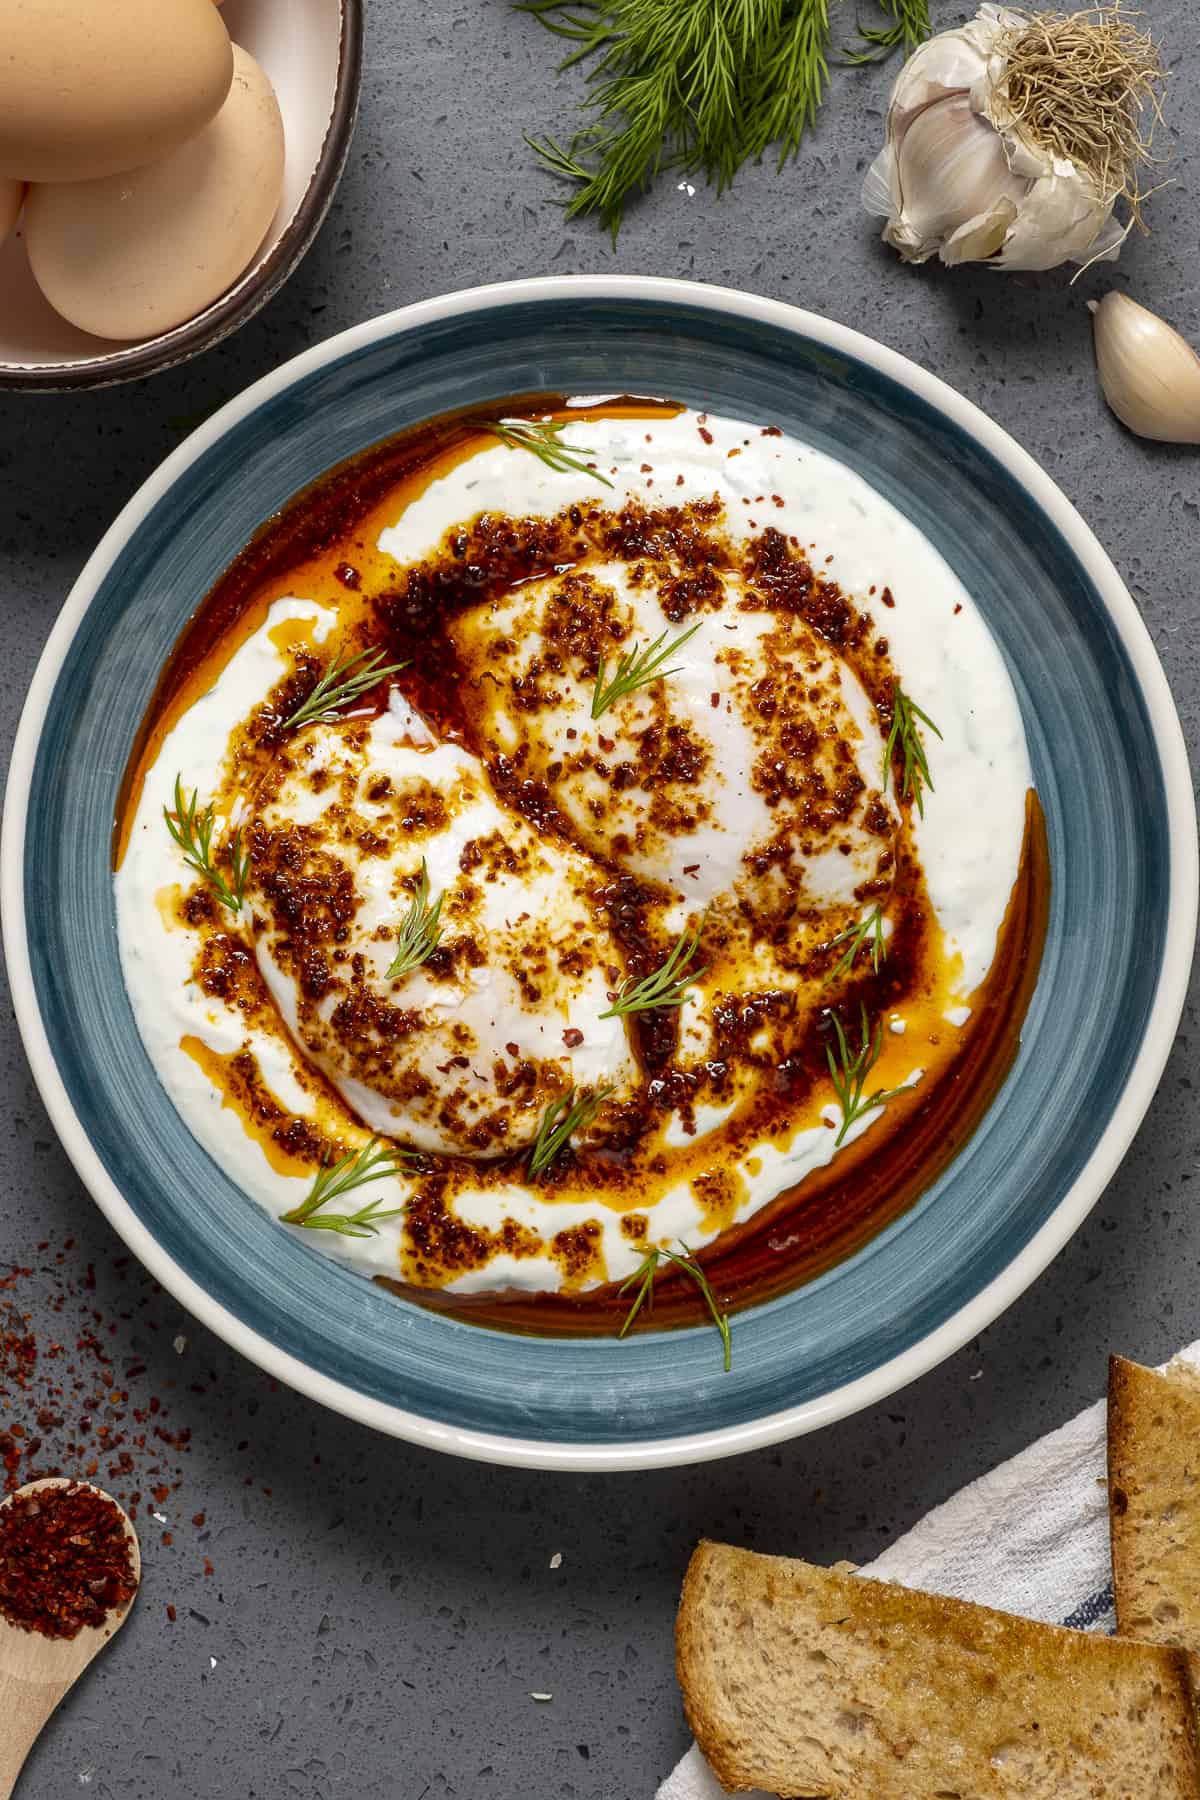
(969, 838)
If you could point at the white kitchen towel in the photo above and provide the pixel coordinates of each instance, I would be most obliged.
(1031, 1537)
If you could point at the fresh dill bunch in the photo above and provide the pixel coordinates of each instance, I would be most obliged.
(698, 86)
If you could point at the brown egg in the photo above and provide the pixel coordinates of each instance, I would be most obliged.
(11, 195)
(135, 254)
(91, 87)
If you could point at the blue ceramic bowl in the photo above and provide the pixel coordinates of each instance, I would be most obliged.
(1109, 763)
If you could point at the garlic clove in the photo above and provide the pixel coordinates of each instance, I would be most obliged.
(1150, 375)
(980, 239)
(952, 169)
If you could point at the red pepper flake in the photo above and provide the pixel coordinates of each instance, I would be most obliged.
(162, 1493)
(348, 575)
(706, 435)
(168, 1538)
(198, 1520)
(572, 1038)
(679, 481)
(958, 606)
(172, 1614)
(692, 869)
(714, 700)
(647, 468)
(208, 1568)
(887, 597)
(513, 1049)
(771, 431)
(65, 1560)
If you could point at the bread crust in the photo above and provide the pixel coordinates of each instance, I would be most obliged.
(1154, 1502)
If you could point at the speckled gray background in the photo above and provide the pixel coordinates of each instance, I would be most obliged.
(376, 1622)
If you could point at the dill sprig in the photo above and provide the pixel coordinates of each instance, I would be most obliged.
(333, 1180)
(193, 831)
(864, 930)
(667, 985)
(904, 736)
(560, 1121)
(337, 685)
(910, 26)
(849, 1070)
(420, 930)
(541, 438)
(790, 82)
(637, 669)
(643, 1278)
(696, 86)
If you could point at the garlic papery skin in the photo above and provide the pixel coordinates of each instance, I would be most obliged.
(1150, 375)
(985, 192)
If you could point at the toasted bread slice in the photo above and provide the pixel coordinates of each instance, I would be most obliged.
(819, 1686)
(1154, 1501)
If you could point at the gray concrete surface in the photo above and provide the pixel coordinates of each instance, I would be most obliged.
(377, 1618)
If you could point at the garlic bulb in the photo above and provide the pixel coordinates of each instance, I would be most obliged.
(1150, 375)
(972, 171)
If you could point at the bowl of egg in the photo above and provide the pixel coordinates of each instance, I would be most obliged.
(554, 881)
(164, 165)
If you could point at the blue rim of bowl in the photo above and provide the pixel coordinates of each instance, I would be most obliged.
(258, 284)
(1037, 1252)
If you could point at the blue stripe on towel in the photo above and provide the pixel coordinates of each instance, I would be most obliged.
(1095, 1614)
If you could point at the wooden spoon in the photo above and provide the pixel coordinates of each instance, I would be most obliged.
(36, 1671)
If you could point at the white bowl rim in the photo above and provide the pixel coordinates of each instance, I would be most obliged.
(999, 1293)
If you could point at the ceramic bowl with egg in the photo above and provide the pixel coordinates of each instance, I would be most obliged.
(870, 907)
(109, 273)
